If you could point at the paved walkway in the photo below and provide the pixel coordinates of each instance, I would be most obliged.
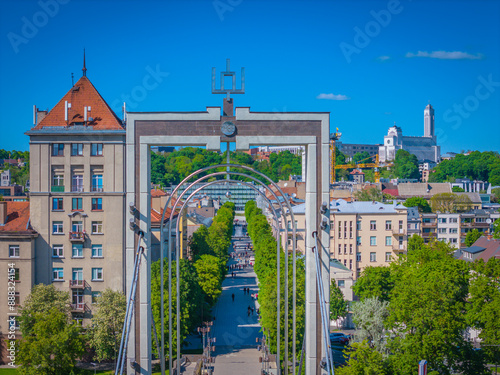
(236, 331)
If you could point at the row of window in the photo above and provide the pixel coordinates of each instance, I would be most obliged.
(77, 182)
(373, 258)
(77, 274)
(77, 227)
(76, 149)
(77, 251)
(373, 242)
(445, 230)
(373, 226)
(76, 204)
(77, 297)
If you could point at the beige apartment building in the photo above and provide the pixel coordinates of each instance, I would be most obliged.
(17, 252)
(78, 196)
(362, 234)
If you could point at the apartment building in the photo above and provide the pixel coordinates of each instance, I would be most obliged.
(362, 234)
(17, 252)
(77, 196)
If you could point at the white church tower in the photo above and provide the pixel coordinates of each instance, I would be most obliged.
(429, 121)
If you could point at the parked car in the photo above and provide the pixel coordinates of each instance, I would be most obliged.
(339, 337)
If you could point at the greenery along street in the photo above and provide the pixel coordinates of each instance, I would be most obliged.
(419, 308)
(52, 341)
(266, 269)
(200, 278)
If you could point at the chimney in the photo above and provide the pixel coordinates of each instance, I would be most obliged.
(3, 213)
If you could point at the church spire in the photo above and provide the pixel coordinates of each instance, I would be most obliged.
(84, 70)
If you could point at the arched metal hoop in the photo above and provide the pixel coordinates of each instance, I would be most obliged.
(228, 165)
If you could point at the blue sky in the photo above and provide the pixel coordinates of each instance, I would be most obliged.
(373, 62)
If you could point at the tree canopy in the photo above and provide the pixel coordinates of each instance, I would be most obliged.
(338, 305)
(421, 203)
(471, 237)
(374, 282)
(406, 165)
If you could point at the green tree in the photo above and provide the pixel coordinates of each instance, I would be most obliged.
(361, 156)
(371, 194)
(370, 316)
(364, 360)
(427, 309)
(406, 165)
(42, 299)
(338, 305)
(209, 277)
(415, 242)
(52, 345)
(457, 189)
(496, 229)
(107, 323)
(450, 203)
(198, 243)
(421, 203)
(374, 282)
(471, 237)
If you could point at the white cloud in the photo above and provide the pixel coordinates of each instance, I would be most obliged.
(332, 97)
(445, 55)
(383, 58)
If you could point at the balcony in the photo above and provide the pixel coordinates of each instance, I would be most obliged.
(399, 232)
(77, 284)
(428, 224)
(78, 307)
(57, 189)
(97, 188)
(399, 247)
(77, 236)
(467, 224)
(77, 189)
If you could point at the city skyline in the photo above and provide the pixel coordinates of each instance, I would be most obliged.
(369, 64)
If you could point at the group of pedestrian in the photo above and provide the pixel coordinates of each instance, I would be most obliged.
(246, 290)
(250, 310)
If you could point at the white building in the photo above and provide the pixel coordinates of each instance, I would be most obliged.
(424, 148)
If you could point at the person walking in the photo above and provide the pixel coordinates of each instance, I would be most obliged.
(232, 296)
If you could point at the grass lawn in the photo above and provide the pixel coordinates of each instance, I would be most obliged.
(8, 371)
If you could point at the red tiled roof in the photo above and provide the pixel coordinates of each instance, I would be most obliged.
(82, 94)
(491, 246)
(393, 192)
(156, 216)
(158, 193)
(18, 216)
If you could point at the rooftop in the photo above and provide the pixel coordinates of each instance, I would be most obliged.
(18, 219)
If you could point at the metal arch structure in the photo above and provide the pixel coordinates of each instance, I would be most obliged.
(203, 129)
(286, 251)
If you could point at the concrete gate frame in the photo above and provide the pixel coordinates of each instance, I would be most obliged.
(203, 129)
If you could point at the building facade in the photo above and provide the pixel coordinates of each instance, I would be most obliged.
(77, 197)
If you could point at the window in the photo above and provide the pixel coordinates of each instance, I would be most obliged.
(57, 251)
(350, 229)
(77, 274)
(345, 262)
(96, 274)
(453, 230)
(345, 229)
(77, 226)
(453, 220)
(95, 296)
(345, 248)
(97, 227)
(96, 251)
(76, 149)
(96, 149)
(358, 257)
(442, 220)
(77, 251)
(358, 225)
(358, 240)
(350, 264)
(373, 241)
(453, 240)
(77, 183)
(57, 274)
(97, 182)
(76, 204)
(373, 257)
(340, 249)
(57, 204)
(13, 251)
(58, 180)
(350, 248)
(388, 241)
(16, 274)
(373, 225)
(96, 204)
(57, 149)
(388, 257)
(388, 225)
(57, 227)
(441, 230)
(341, 283)
(340, 229)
